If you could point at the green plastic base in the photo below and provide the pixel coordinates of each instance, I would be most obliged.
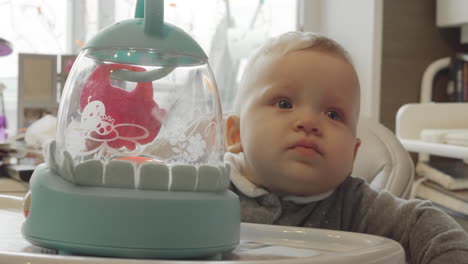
(129, 223)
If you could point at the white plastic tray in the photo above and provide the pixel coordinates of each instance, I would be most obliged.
(259, 244)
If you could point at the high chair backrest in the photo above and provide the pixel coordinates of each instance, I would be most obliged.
(381, 159)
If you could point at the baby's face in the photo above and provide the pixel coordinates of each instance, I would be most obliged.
(298, 126)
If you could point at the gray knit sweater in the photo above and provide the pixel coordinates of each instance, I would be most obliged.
(427, 234)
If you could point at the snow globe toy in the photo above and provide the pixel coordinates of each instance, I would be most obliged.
(136, 169)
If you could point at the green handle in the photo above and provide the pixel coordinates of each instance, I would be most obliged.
(140, 9)
(154, 17)
(152, 11)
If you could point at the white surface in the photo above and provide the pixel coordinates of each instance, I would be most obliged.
(457, 137)
(260, 244)
(12, 187)
(464, 34)
(413, 118)
(452, 13)
(357, 25)
(444, 150)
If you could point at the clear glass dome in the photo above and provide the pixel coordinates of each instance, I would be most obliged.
(174, 120)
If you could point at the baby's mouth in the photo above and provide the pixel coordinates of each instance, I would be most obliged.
(306, 147)
(305, 151)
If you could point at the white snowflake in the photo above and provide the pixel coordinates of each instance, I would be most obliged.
(196, 147)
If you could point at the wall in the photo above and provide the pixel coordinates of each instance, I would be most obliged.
(410, 42)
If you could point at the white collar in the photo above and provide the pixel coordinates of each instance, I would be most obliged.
(251, 190)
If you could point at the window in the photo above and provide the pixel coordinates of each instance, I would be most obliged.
(62, 27)
(31, 26)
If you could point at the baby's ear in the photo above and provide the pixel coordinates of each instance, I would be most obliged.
(356, 147)
(233, 142)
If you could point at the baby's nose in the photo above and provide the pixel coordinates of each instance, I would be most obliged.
(308, 122)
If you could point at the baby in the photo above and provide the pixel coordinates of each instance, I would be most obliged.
(292, 142)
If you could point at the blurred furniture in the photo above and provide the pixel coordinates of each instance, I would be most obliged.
(5, 49)
(9, 186)
(37, 87)
(413, 118)
(452, 13)
(40, 86)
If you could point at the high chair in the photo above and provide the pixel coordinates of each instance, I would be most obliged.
(381, 159)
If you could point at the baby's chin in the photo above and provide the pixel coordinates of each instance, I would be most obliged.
(297, 184)
(307, 187)
(307, 193)
(299, 190)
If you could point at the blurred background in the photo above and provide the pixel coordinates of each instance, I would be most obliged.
(392, 44)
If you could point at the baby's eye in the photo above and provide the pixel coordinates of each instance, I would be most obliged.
(283, 104)
(334, 115)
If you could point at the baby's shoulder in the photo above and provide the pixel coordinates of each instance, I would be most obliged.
(356, 190)
(353, 184)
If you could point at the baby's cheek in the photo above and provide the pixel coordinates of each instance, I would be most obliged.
(346, 161)
(252, 133)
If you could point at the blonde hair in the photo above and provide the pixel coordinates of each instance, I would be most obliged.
(282, 45)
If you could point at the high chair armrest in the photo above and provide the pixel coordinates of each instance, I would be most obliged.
(411, 119)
